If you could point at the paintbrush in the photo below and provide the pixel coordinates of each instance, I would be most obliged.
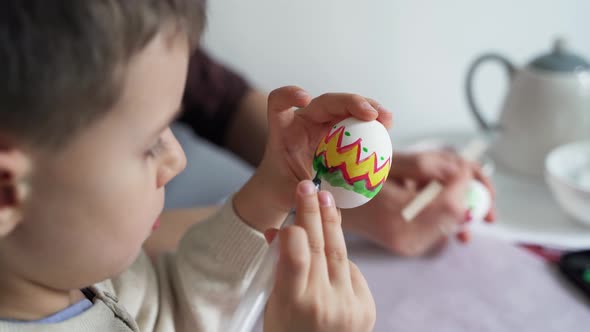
(252, 304)
(471, 152)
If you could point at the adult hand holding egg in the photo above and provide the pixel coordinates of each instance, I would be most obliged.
(380, 220)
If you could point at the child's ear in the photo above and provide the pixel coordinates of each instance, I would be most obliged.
(14, 170)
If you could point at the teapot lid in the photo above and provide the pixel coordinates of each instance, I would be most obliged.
(560, 60)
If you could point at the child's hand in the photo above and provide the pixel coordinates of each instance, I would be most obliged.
(317, 287)
(293, 138)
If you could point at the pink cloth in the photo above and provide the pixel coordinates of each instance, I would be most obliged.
(484, 286)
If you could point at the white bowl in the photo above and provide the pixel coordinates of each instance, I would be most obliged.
(564, 168)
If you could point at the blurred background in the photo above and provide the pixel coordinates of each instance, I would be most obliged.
(412, 56)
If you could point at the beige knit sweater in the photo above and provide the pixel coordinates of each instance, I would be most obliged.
(193, 289)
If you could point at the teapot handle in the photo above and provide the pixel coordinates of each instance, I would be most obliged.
(510, 70)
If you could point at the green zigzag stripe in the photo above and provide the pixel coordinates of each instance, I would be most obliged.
(335, 179)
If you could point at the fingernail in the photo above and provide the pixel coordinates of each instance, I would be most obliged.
(491, 217)
(306, 187)
(301, 94)
(326, 199)
(367, 106)
(382, 109)
(463, 237)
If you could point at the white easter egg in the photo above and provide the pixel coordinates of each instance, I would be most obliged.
(353, 161)
(478, 201)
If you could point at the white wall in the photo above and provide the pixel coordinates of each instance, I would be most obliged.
(410, 55)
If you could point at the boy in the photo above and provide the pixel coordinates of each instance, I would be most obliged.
(87, 91)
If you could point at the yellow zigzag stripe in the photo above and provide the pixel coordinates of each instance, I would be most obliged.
(346, 158)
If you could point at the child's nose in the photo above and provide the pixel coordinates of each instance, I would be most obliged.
(173, 162)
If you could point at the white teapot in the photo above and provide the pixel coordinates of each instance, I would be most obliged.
(548, 104)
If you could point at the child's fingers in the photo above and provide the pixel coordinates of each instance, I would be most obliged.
(385, 115)
(331, 107)
(358, 281)
(307, 215)
(285, 98)
(363, 294)
(335, 247)
(294, 261)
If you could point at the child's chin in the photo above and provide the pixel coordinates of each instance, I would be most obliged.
(128, 262)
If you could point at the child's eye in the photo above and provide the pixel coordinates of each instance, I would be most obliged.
(155, 149)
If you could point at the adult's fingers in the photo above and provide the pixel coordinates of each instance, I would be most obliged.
(426, 166)
(444, 216)
(478, 175)
(464, 236)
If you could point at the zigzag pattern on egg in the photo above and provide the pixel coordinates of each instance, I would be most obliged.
(347, 160)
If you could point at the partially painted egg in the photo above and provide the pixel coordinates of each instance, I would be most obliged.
(353, 161)
(478, 200)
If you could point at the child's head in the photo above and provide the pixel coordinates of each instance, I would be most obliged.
(87, 91)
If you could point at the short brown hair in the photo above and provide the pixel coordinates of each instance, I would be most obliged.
(61, 60)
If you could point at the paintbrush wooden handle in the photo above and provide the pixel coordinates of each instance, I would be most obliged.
(471, 152)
